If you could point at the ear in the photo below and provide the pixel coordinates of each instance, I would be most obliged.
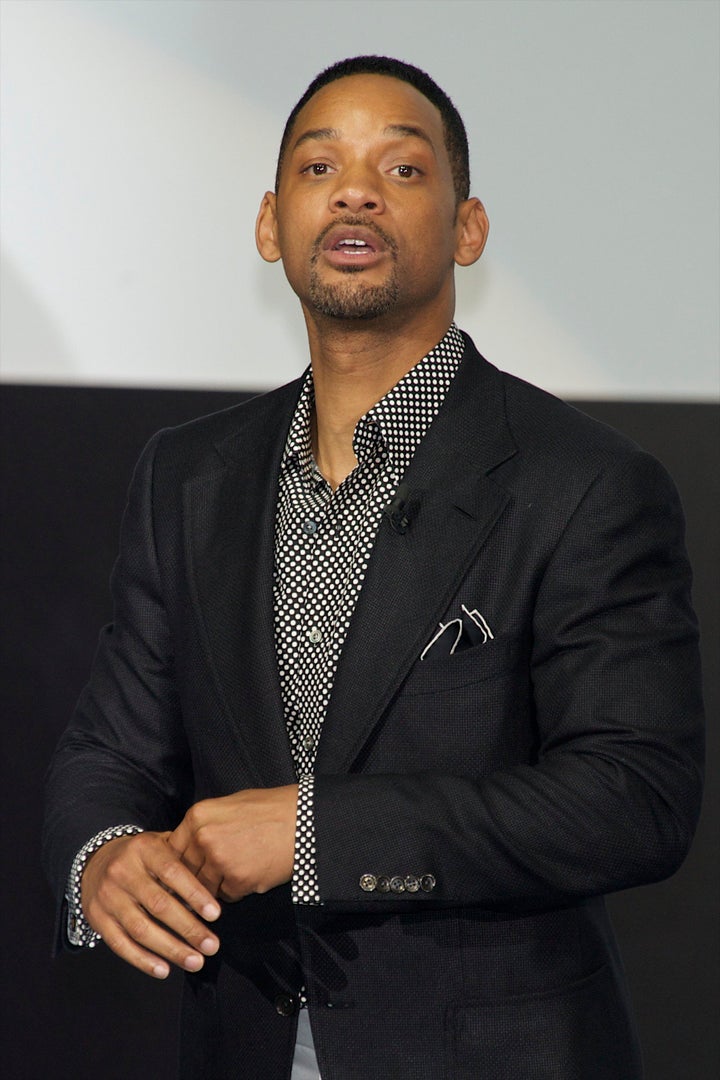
(266, 229)
(471, 232)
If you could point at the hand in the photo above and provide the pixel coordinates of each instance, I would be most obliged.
(136, 894)
(241, 843)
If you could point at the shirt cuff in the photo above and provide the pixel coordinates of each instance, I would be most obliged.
(304, 884)
(79, 931)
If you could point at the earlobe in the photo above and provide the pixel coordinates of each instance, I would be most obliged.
(266, 229)
(472, 232)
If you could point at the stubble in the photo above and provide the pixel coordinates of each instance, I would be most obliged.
(348, 296)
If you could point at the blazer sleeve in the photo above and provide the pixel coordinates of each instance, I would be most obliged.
(613, 797)
(124, 757)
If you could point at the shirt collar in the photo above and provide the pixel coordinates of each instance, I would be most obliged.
(403, 416)
(397, 423)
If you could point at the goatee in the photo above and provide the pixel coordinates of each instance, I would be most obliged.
(351, 298)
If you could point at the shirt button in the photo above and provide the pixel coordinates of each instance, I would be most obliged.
(314, 635)
(368, 882)
(427, 882)
(310, 527)
(397, 884)
(309, 742)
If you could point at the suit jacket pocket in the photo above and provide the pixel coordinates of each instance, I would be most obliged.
(573, 1032)
(435, 674)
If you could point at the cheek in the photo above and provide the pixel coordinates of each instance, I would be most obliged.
(430, 247)
(430, 225)
(293, 252)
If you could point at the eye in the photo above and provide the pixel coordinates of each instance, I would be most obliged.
(406, 171)
(317, 168)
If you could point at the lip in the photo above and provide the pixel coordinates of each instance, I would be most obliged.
(366, 248)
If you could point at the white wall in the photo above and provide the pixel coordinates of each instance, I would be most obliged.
(139, 135)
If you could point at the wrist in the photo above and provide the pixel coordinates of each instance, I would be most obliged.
(79, 931)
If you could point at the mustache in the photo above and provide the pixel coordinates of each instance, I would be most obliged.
(360, 223)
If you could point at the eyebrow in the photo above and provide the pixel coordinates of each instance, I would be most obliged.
(404, 131)
(317, 134)
(408, 131)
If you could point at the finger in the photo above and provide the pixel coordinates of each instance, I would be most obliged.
(147, 946)
(169, 913)
(179, 838)
(175, 876)
(221, 891)
(130, 860)
(144, 912)
(210, 878)
(146, 877)
(192, 857)
(152, 922)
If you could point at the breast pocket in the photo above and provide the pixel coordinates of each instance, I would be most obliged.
(467, 714)
(437, 674)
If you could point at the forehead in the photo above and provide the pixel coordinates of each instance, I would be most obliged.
(364, 104)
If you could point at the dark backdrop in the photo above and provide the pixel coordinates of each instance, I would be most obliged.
(67, 456)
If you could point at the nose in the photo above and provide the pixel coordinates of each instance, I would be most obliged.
(357, 190)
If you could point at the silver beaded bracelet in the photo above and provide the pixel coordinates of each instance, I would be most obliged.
(79, 931)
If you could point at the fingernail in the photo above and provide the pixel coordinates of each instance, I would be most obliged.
(209, 946)
(193, 963)
(210, 911)
(161, 971)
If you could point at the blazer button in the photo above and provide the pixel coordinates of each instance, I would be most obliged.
(285, 1005)
(397, 884)
(427, 883)
(412, 884)
(383, 884)
(368, 882)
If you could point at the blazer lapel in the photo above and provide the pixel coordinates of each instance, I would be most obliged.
(412, 577)
(230, 527)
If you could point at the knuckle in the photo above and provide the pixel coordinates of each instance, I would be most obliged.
(196, 814)
(115, 871)
(204, 837)
(193, 932)
(178, 952)
(146, 846)
(137, 926)
(170, 868)
(115, 942)
(104, 893)
(157, 903)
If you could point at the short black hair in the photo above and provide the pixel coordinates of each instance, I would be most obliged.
(456, 142)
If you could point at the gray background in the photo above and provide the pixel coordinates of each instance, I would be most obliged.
(138, 137)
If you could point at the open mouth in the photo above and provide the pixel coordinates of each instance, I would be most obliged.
(353, 239)
(346, 245)
(351, 245)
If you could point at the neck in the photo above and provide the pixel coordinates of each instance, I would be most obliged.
(354, 366)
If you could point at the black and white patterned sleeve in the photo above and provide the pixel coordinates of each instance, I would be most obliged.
(304, 885)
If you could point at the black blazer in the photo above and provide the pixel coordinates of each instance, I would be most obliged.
(524, 776)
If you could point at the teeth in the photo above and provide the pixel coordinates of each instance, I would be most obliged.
(352, 243)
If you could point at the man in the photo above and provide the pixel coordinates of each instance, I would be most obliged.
(403, 675)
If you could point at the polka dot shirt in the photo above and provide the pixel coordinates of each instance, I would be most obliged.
(323, 543)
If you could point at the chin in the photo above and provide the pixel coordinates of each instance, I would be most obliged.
(353, 299)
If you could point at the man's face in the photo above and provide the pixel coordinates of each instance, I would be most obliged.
(365, 216)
